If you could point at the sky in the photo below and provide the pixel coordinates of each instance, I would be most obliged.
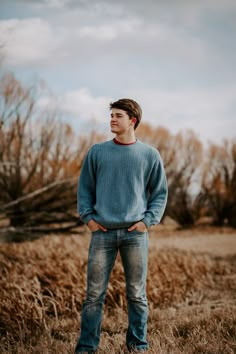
(177, 58)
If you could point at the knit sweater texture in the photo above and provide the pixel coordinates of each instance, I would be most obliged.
(122, 184)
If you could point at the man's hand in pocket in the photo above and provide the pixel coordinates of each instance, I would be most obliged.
(139, 226)
(94, 226)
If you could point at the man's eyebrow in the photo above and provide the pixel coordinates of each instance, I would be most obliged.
(116, 114)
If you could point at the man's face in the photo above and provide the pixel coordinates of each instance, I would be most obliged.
(120, 121)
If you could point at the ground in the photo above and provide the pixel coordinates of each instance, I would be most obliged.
(191, 290)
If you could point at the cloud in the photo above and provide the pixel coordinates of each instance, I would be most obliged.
(111, 30)
(82, 104)
(170, 11)
(207, 112)
(79, 104)
(80, 31)
(39, 43)
(29, 41)
(176, 58)
(58, 4)
(46, 4)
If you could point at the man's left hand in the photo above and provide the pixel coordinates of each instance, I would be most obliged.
(139, 226)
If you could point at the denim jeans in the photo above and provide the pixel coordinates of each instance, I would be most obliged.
(133, 249)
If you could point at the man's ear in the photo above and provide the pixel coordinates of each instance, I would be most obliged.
(134, 120)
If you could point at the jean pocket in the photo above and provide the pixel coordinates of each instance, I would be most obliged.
(137, 232)
(96, 231)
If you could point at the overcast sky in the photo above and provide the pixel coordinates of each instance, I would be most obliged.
(176, 58)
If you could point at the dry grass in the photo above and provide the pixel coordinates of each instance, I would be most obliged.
(42, 283)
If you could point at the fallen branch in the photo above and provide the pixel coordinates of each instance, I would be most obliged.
(36, 193)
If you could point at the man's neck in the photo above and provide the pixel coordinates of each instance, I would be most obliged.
(126, 138)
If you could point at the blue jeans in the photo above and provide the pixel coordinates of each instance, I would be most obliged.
(104, 246)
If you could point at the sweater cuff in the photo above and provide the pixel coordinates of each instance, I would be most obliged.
(87, 218)
(146, 221)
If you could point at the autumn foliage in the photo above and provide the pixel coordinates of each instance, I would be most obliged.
(218, 187)
(201, 180)
(40, 160)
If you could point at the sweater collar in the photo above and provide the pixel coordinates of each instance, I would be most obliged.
(119, 143)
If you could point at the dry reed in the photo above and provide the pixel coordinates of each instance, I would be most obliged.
(43, 282)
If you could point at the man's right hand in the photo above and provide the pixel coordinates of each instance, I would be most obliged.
(94, 226)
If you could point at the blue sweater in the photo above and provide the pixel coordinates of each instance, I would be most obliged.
(122, 184)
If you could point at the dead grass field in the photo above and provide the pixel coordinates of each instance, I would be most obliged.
(191, 291)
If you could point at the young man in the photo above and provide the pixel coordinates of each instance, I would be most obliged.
(122, 192)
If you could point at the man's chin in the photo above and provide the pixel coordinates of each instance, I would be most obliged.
(114, 130)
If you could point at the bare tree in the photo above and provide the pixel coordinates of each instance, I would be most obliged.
(218, 189)
(182, 155)
(36, 151)
(183, 178)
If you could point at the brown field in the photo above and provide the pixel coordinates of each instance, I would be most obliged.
(191, 291)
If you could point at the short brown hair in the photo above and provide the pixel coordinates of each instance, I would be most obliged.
(131, 107)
